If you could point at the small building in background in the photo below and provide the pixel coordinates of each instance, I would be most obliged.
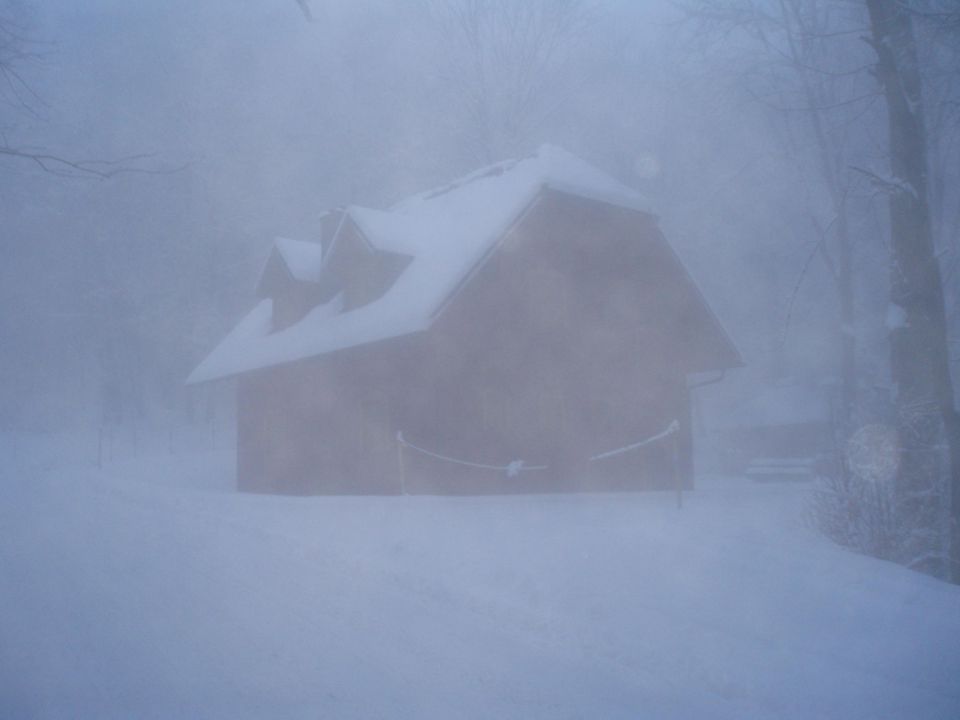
(783, 431)
(514, 326)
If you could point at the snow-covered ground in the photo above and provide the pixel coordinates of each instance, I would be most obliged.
(148, 589)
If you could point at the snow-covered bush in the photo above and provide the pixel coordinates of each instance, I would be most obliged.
(856, 513)
(859, 505)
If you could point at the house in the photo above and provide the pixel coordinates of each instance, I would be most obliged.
(503, 333)
(782, 431)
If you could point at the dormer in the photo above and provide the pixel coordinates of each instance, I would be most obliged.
(302, 275)
(362, 272)
(290, 261)
(292, 279)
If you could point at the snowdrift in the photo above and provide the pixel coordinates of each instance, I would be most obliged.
(148, 589)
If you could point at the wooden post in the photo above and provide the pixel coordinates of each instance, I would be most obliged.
(402, 469)
(678, 481)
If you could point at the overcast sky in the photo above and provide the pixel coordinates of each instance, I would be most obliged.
(277, 119)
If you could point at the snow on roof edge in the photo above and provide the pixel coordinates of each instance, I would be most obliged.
(636, 202)
(703, 300)
(253, 324)
(420, 226)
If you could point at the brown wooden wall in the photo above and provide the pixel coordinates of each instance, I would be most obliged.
(574, 338)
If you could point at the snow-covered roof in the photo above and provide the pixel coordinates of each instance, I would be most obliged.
(303, 259)
(446, 232)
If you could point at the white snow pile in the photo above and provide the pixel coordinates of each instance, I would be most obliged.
(446, 231)
(146, 590)
(303, 259)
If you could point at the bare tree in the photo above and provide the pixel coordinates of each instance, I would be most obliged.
(505, 63)
(795, 61)
(18, 48)
(798, 64)
(927, 419)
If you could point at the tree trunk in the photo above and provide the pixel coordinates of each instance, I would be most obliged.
(848, 339)
(918, 342)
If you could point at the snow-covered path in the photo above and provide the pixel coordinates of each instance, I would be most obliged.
(145, 591)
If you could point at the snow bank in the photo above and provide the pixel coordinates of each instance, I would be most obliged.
(127, 596)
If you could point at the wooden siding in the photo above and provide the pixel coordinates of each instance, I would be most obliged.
(563, 345)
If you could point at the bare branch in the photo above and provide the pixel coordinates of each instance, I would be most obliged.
(305, 7)
(103, 169)
(792, 301)
(889, 185)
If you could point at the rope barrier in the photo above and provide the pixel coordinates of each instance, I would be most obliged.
(515, 467)
(512, 468)
(671, 428)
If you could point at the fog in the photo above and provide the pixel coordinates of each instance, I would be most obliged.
(274, 120)
(150, 154)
